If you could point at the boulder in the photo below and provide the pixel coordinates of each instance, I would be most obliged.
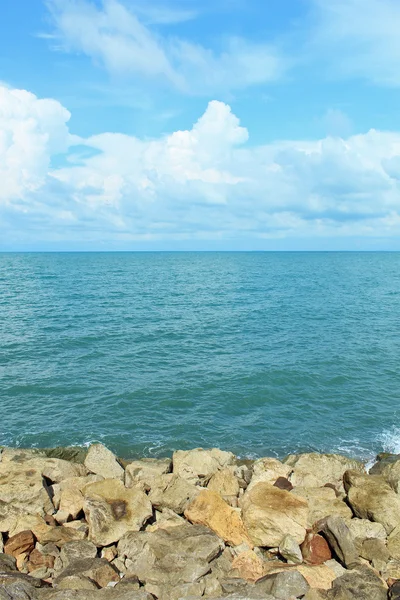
(59, 535)
(363, 529)
(318, 577)
(209, 509)
(357, 585)
(54, 469)
(289, 549)
(68, 497)
(101, 461)
(146, 470)
(248, 565)
(226, 484)
(269, 514)
(104, 594)
(394, 592)
(76, 582)
(322, 503)
(376, 552)
(77, 551)
(316, 470)
(196, 464)
(315, 549)
(389, 469)
(7, 563)
(98, 570)
(286, 585)
(173, 492)
(166, 519)
(111, 510)
(170, 557)
(21, 543)
(269, 470)
(372, 498)
(340, 540)
(38, 560)
(393, 543)
(24, 489)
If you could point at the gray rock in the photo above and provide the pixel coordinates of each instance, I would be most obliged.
(98, 570)
(80, 550)
(175, 556)
(340, 540)
(360, 584)
(290, 550)
(7, 563)
(105, 594)
(286, 585)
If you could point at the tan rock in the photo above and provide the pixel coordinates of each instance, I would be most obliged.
(54, 469)
(98, 570)
(318, 577)
(166, 519)
(322, 503)
(77, 551)
(209, 509)
(109, 553)
(24, 489)
(316, 470)
(248, 565)
(372, 498)
(196, 464)
(289, 549)
(76, 582)
(391, 474)
(146, 470)
(68, 497)
(23, 542)
(225, 484)
(60, 536)
(363, 529)
(173, 492)
(111, 510)
(393, 543)
(270, 513)
(101, 461)
(269, 470)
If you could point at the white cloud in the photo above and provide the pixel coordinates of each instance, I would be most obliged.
(359, 38)
(205, 183)
(115, 37)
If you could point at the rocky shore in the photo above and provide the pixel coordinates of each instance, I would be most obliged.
(83, 525)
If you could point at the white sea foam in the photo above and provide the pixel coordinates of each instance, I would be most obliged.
(390, 440)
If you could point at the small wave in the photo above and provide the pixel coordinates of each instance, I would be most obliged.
(390, 440)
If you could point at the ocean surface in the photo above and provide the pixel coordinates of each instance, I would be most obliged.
(259, 353)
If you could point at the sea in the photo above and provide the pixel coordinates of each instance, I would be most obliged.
(260, 353)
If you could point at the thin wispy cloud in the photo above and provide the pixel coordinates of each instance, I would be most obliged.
(116, 38)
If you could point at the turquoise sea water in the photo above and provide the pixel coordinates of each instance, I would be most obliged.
(259, 353)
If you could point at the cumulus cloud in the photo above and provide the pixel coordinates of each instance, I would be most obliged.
(206, 183)
(359, 38)
(115, 37)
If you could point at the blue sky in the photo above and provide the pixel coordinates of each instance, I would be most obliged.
(226, 124)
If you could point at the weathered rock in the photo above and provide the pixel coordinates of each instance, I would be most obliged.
(53, 468)
(336, 567)
(226, 484)
(77, 551)
(286, 585)
(394, 592)
(146, 470)
(316, 470)
(68, 497)
(391, 570)
(111, 510)
(24, 489)
(289, 549)
(104, 594)
(209, 509)
(315, 549)
(166, 519)
(372, 498)
(101, 461)
(393, 543)
(21, 543)
(340, 540)
(318, 577)
(196, 464)
(7, 563)
(248, 565)
(59, 535)
(358, 585)
(76, 582)
(363, 529)
(170, 557)
(98, 570)
(173, 492)
(269, 470)
(322, 503)
(390, 471)
(109, 553)
(376, 552)
(269, 514)
(283, 484)
(38, 560)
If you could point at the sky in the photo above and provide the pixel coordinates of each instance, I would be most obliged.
(187, 125)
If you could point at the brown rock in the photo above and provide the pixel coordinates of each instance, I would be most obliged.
(270, 513)
(22, 543)
(38, 560)
(315, 549)
(283, 484)
(211, 510)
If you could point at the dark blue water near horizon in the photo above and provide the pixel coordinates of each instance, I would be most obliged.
(259, 353)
